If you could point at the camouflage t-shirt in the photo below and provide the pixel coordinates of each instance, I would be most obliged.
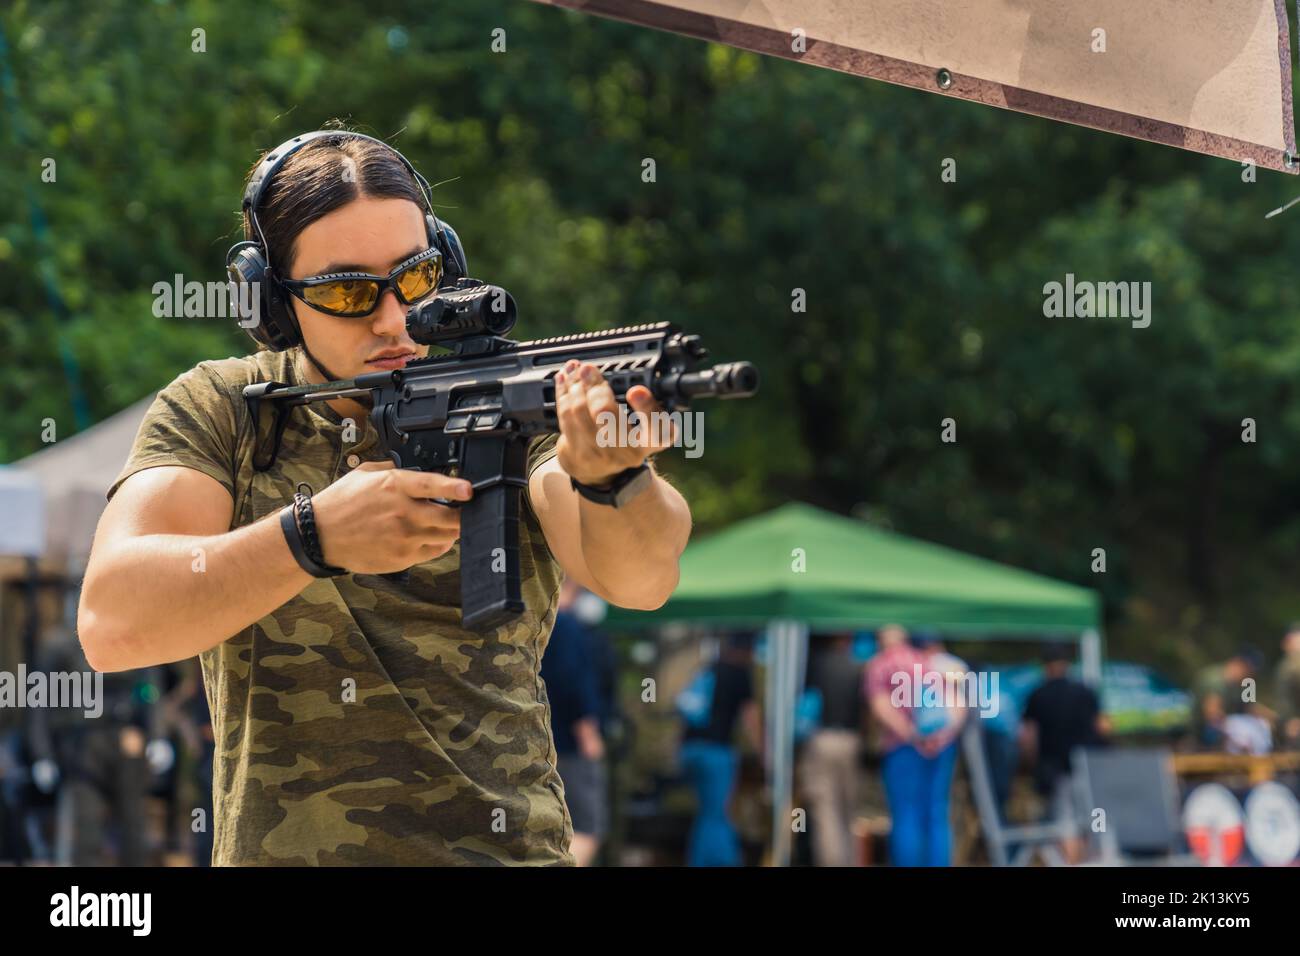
(359, 723)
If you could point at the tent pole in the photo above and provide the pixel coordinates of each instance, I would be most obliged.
(776, 713)
(772, 714)
(1090, 658)
(977, 767)
(787, 652)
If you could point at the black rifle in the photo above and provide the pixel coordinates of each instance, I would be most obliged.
(470, 413)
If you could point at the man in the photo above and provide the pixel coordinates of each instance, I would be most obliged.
(570, 669)
(1221, 693)
(1288, 690)
(919, 743)
(709, 755)
(1060, 715)
(830, 760)
(356, 721)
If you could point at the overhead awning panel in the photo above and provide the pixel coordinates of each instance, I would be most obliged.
(1212, 76)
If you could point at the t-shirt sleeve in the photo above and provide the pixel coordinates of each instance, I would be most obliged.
(541, 450)
(191, 423)
(879, 678)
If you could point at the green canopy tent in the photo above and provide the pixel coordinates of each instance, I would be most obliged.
(799, 568)
(802, 563)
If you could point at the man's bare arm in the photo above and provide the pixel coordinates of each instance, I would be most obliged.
(1027, 737)
(751, 718)
(144, 602)
(627, 555)
(892, 717)
(636, 547)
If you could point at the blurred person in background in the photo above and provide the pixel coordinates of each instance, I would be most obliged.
(194, 727)
(28, 800)
(830, 759)
(719, 698)
(919, 744)
(1220, 693)
(570, 671)
(167, 742)
(98, 764)
(1288, 690)
(13, 781)
(1060, 715)
(999, 739)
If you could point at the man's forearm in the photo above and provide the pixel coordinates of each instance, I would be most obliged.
(149, 603)
(633, 551)
(892, 717)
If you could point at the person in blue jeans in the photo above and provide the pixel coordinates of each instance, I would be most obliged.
(917, 787)
(711, 768)
(721, 697)
(920, 745)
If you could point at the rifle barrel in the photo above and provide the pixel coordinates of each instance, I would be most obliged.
(728, 380)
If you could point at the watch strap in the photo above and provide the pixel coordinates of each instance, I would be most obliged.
(297, 521)
(610, 496)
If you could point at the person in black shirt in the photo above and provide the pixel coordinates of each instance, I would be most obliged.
(709, 757)
(1060, 715)
(829, 767)
(570, 672)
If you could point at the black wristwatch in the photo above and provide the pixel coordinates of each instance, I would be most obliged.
(625, 486)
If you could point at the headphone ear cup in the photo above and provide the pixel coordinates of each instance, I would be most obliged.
(281, 323)
(255, 299)
(453, 253)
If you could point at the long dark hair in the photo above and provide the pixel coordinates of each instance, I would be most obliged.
(325, 175)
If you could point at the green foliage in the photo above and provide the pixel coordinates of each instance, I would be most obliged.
(924, 297)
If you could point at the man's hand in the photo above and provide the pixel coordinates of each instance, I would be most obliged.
(582, 399)
(375, 520)
(590, 744)
(627, 555)
(379, 519)
(932, 745)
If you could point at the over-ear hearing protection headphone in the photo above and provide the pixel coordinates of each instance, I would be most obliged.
(249, 262)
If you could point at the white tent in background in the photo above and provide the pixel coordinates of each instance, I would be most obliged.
(65, 485)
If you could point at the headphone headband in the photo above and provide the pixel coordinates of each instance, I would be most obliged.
(272, 161)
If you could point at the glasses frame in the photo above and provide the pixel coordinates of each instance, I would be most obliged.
(295, 287)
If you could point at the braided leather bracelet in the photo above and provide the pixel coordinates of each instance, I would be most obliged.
(298, 522)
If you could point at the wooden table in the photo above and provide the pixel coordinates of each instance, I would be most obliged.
(1257, 768)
